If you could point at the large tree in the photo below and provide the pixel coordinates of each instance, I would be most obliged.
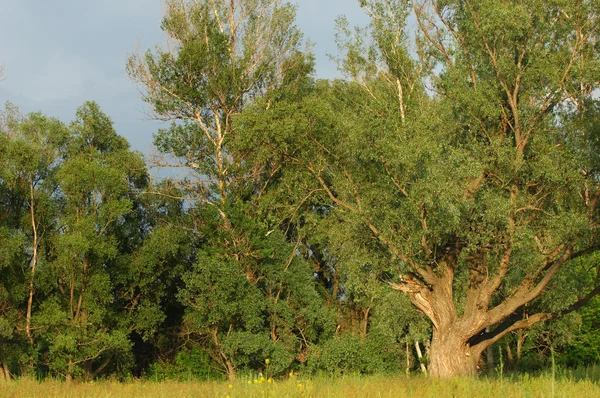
(80, 323)
(468, 163)
(31, 155)
(246, 294)
(78, 247)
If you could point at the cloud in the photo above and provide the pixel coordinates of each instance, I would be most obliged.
(61, 53)
(55, 77)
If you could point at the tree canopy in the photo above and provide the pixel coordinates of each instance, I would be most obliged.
(440, 198)
(457, 172)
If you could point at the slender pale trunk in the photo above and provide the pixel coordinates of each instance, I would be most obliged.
(34, 261)
(521, 336)
(407, 359)
(420, 356)
(86, 267)
(221, 357)
(364, 322)
(509, 355)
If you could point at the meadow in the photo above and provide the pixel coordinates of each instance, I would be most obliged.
(565, 385)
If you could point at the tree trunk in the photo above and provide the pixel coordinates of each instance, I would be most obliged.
(460, 339)
(5, 372)
(420, 356)
(452, 356)
(489, 358)
(69, 375)
(88, 373)
(451, 353)
(521, 336)
(230, 370)
(364, 322)
(34, 261)
(407, 359)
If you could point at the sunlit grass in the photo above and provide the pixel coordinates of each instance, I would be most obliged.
(377, 386)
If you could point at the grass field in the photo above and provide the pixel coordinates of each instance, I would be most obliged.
(380, 386)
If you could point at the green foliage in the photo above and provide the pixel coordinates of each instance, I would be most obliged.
(350, 354)
(252, 308)
(585, 346)
(468, 197)
(462, 171)
(194, 364)
(247, 295)
(78, 318)
(66, 226)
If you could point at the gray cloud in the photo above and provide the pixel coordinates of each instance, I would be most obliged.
(61, 53)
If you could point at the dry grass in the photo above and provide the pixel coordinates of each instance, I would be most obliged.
(320, 387)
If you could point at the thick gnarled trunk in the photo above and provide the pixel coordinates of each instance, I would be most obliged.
(460, 337)
(452, 356)
(452, 351)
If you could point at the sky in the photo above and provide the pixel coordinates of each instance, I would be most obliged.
(58, 54)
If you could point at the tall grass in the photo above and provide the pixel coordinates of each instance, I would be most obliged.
(566, 385)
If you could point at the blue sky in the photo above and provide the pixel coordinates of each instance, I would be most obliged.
(60, 53)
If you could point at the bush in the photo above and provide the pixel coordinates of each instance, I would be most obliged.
(351, 354)
(191, 364)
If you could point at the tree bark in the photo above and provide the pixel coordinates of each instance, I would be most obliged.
(452, 356)
(460, 339)
(364, 322)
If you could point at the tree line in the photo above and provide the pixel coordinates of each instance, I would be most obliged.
(436, 205)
